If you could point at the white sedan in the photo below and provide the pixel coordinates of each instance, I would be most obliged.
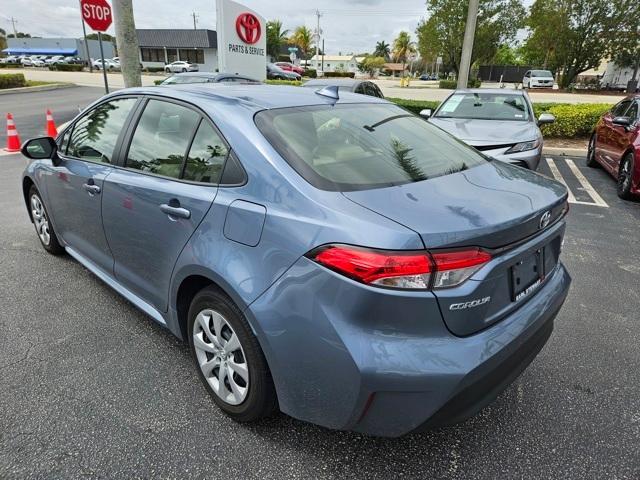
(181, 66)
(108, 64)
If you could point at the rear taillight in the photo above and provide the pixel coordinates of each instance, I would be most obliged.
(402, 269)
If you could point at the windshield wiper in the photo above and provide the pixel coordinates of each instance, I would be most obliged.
(372, 128)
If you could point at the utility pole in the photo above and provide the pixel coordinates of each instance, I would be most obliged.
(318, 15)
(195, 19)
(86, 44)
(467, 45)
(127, 42)
(13, 23)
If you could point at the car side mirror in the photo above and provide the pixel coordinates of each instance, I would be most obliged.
(426, 113)
(622, 121)
(546, 118)
(40, 148)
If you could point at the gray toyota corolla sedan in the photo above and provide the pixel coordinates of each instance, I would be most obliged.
(498, 122)
(338, 259)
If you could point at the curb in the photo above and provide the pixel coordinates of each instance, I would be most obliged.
(37, 88)
(567, 152)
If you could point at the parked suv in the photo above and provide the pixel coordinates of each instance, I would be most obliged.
(338, 258)
(538, 79)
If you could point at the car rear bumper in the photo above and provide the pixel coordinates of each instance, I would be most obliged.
(382, 362)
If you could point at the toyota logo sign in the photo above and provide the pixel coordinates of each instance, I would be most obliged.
(545, 219)
(248, 28)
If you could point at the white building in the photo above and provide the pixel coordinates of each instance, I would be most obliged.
(159, 47)
(335, 63)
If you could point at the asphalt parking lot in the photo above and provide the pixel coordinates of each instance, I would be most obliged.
(91, 387)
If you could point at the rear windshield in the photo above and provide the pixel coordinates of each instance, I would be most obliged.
(485, 106)
(361, 146)
(541, 73)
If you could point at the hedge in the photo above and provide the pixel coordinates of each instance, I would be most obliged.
(453, 84)
(12, 80)
(311, 73)
(293, 83)
(339, 74)
(66, 67)
(154, 69)
(415, 106)
(10, 65)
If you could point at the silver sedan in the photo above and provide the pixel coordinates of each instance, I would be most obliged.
(498, 122)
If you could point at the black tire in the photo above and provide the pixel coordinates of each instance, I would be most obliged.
(184, 70)
(53, 246)
(167, 70)
(591, 153)
(261, 400)
(625, 177)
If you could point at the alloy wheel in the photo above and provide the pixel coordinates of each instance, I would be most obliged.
(40, 219)
(624, 178)
(221, 357)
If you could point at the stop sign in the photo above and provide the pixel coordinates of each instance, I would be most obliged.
(97, 14)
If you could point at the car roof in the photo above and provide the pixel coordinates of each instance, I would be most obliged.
(341, 82)
(257, 97)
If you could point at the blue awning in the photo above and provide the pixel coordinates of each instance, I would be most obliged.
(40, 51)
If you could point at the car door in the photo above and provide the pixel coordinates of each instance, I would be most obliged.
(608, 136)
(155, 201)
(74, 186)
(623, 136)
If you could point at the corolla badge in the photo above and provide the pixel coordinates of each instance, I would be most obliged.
(471, 304)
(545, 219)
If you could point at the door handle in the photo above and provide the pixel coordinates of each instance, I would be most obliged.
(175, 211)
(91, 188)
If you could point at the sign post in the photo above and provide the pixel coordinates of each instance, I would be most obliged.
(97, 14)
(242, 40)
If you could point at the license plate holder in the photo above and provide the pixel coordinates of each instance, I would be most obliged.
(527, 275)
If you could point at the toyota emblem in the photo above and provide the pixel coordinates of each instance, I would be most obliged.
(545, 219)
(248, 28)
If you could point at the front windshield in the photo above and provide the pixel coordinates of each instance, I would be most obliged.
(541, 73)
(360, 146)
(485, 106)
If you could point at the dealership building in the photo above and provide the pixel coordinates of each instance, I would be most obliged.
(161, 46)
(73, 47)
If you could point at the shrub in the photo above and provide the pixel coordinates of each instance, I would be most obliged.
(339, 74)
(310, 72)
(158, 82)
(10, 65)
(573, 120)
(12, 80)
(415, 106)
(66, 67)
(293, 83)
(453, 84)
(154, 69)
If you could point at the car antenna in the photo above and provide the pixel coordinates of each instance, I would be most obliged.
(330, 91)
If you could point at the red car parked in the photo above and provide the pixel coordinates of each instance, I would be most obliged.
(290, 67)
(615, 144)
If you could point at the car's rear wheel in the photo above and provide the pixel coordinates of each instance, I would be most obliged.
(40, 218)
(184, 70)
(625, 177)
(229, 359)
(166, 70)
(591, 153)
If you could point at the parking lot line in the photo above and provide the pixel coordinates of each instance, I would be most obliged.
(585, 183)
(598, 202)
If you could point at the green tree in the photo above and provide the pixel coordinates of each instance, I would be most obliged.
(443, 31)
(403, 47)
(19, 35)
(3, 40)
(571, 36)
(303, 39)
(625, 49)
(371, 64)
(382, 50)
(507, 55)
(276, 37)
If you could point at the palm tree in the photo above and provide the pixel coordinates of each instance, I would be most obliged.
(276, 37)
(402, 48)
(382, 50)
(303, 39)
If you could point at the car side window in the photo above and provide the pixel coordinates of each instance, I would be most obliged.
(632, 113)
(620, 109)
(206, 156)
(63, 141)
(95, 135)
(161, 138)
(360, 89)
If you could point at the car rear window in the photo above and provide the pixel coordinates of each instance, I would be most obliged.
(485, 106)
(361, 146)
(541, 73)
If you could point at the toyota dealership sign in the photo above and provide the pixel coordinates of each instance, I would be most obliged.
(242, 40)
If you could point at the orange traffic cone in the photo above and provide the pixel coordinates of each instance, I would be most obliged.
(13, 140)
(52, 131)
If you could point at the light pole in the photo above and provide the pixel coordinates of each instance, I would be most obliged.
(467, 45)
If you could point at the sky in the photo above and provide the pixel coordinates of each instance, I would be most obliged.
(347, 25)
